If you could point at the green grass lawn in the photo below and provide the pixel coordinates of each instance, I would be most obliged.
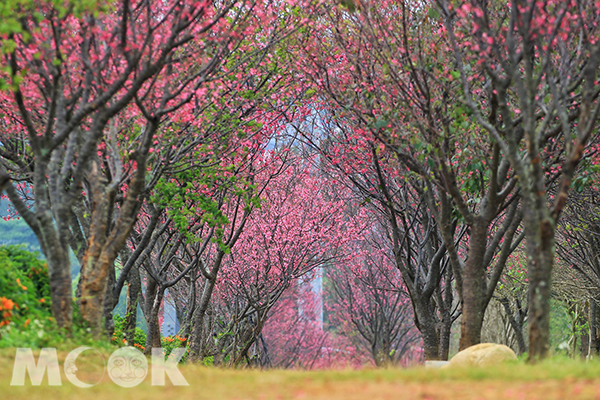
(554, 379)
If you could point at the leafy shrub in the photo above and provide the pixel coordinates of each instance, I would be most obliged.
(25, 287)
(169, 343)
(118, 338)
(24, 281)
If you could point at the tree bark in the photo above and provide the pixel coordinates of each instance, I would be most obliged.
(133, 292)
(445, 301)
(431, 339)
(445, 333)
(198, 329)
(154, 298)
(584, 334)
(95, 268)
(427, 325)
(60, 285)
(474, 287)
(540, 249)
(110, 302)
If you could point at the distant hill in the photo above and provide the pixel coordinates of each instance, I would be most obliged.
(16, 232)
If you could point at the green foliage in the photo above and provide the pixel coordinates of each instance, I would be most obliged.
(169, 343)
(587, 175)
(118, 338)
(560, 327)
(197, 195)
(24, 280)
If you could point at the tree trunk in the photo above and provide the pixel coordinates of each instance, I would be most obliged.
(110, 302)
(474, 287)
(198, 329)
(445, 332)
(188, 314)
(583, 333)
(445, 341)
(426, 324)
(95, 268)
(250, 339)
(540, 252)
(93, 293)
(133, 293)
(153, 334)
(59, 269)
(445, 301)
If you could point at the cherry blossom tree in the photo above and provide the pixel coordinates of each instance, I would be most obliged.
(383, 72)
(293, 339)
(291, 234)
(87, 92)
(528, 76)
(371, 306)
(400, 205)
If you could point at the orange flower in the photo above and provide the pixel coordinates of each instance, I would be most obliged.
(7, 304)
(124, 341)
(42, 300)
(27, 322)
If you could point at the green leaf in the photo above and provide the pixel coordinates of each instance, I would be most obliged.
(433, 13)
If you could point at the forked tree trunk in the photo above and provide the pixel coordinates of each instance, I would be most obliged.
(107, 237)
(250, 340)
(197, 336)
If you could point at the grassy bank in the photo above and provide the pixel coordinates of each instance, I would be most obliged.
(554, 379)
